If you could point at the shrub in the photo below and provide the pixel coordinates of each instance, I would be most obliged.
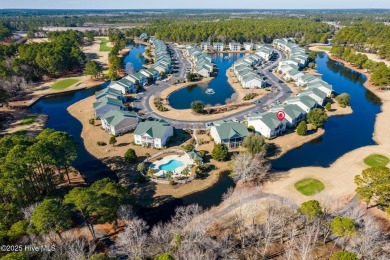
(251, 129)
(255, 144)
(302, 128)
(250, 96)
(343, 99)
(188, 147)
(100, 143)
(112, 140)
(328, 106)
(171, 182)
(197, 107)
(344, 255)
(130, 156)
(220, 152)
(92, 121)
(311, 208)
(317, 117)
(202, 153)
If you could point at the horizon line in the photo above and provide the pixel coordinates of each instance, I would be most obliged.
(125, 9)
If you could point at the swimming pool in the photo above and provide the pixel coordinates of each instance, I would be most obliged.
(171, 165)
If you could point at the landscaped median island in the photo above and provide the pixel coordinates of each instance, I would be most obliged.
(63, 84)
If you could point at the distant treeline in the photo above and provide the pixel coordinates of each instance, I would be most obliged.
(240, 30)
(27, 19)
(366, 36)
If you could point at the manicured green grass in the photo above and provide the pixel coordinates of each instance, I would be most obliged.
(376, 160)
(63, 84)
(29, 120)
(103, 44)
(324, 48)
(309, 186)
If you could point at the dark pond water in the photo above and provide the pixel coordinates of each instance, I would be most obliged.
(342, 133)
(182, 98)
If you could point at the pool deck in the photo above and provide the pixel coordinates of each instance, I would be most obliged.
(177, 172)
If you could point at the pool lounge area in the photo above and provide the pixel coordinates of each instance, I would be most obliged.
(172, 163)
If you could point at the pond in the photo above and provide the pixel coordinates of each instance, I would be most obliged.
(342, 133)
(182, 98)
(135, 56)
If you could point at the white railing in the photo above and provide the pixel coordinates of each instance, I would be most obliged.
(167, 181)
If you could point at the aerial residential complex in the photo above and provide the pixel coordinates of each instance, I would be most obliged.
(109, 105)
(246, 74)
(295, 108)
(201, 63)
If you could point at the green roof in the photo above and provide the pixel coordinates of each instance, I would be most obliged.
(195, 155)
(269, 119)
(308, 101)
(231, 129)
(155, 129)
(114, 117)
(107, 91)
(107, 101)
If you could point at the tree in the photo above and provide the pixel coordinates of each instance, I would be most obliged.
(343, 227)
(17, 230)
(344, 255)
(220, 152)
(129, 67)
(302, 128)
(248, 167)
(141, 167)
(255, 143)
(317, 117)
(92, 69)
(343, 99)
(328, 106)
(165, 256)
(188, 147)
(97, 203)
(112, 140)
(131, 156)
(374, 183)
(186, 172)
(197, 107)
(311, 208)
(51, 215)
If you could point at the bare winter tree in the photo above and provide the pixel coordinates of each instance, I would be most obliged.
(129, 67)
(234, 98)
(28, 211)
(249, 168)
(132, 242)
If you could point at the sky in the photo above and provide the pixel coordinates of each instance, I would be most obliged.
(200, 4)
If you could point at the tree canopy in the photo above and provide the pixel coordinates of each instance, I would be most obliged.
(317, 117)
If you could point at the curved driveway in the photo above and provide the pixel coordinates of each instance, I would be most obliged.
(282, 93)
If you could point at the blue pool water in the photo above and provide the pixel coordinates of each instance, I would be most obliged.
(171, 165)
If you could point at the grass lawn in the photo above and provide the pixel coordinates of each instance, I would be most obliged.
(29, 120)
(324, 48)
(376, 160)
(309, 186)
(103, 44)
(63, 84)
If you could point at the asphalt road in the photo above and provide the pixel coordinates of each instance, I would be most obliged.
(281, 93)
